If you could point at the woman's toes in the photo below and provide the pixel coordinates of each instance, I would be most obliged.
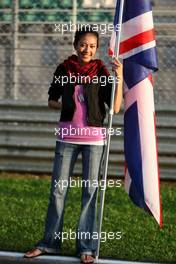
(33, 253)
(87, 258)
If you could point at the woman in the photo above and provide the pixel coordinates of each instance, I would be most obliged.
(78, 81)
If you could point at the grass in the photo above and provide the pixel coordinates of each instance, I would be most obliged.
(23, 205)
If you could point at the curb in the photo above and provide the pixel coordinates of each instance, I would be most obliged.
(7, 257)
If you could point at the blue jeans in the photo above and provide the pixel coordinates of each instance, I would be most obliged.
(65, 157)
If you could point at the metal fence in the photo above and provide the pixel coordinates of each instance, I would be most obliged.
(31, 44)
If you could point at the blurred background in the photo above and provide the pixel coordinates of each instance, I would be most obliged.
(31, 46)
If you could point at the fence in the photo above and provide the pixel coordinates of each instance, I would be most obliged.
(31, 46)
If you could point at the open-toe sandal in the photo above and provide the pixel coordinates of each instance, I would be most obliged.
(35, 252)
(87, 258)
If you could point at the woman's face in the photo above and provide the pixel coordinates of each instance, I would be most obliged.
(86, 48)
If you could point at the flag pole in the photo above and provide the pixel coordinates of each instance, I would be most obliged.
(110, 116)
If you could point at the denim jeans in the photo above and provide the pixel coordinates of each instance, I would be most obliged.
(65, 157)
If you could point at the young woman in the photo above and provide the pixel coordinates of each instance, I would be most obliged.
(84, 85)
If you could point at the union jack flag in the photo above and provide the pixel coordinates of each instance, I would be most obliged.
(138, 52)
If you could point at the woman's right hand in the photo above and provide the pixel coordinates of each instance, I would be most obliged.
(54, 104)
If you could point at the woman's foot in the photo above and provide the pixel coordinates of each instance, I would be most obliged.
(33, 253)
(87, 258)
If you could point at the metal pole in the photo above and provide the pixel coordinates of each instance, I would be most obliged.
(15, 23)
(74, 14)
(110, 116)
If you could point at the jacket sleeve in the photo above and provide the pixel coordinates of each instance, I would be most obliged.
(55, 89)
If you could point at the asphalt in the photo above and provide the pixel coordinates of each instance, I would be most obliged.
(7, 257)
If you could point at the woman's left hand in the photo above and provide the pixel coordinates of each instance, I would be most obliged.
(117, 67)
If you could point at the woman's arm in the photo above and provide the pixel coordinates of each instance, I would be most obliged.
(118, 68)
(55, 89)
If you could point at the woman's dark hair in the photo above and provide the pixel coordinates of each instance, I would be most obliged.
(82, 30)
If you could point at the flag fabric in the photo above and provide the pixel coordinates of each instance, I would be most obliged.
(138, 52)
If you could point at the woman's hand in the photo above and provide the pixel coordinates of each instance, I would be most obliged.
(54, 104)
(117, 67)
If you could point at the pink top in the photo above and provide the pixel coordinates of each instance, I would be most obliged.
(77, 131)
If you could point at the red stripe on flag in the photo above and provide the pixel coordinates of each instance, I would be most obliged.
(150, 77)
(137, 41)
(110, 52)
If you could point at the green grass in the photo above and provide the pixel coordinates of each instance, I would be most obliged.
(23, 204)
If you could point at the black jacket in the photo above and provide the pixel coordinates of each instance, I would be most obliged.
(95, 94)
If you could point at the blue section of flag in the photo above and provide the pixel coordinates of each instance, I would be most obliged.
(140, 66)
(133, 8)
(133, 158)
(116, 17)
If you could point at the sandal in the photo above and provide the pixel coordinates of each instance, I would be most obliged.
(87, 258)
(34, 253)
